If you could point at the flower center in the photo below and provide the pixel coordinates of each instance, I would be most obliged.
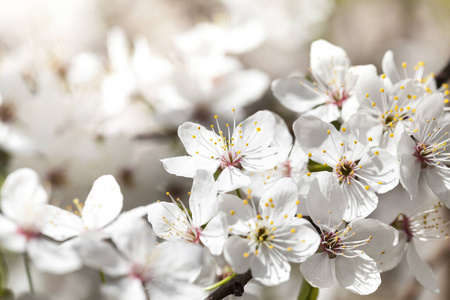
(231, 159)
(29, 233)
(194, 235)
(422, 155)
(345, 170)
(402, 223)
(331, 243)
(140, 272)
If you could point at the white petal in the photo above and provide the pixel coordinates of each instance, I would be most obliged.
(409, 174)
(439, 181)
(383, 168)
(237, 213)
(234, 251)
(303, 242)
(257, 131)
(360, 202)
(215, 234)
(135, 240)
(60, 224)
(297, 94)
(124, 289)
(269, 269)
(326, 112)
(312, 135)
(103, 203)
(326, 201)
(391, 257)
(230, 179)
(363, 126)
(280, 201)
(421, 269)
(186, 166)
(53, 258)
(22, 194)
(389, 68)
(198, 140)
(317, 270)
(324, 54)
(168, 221)
(102, 256)
(202, 202)
(181, 261)
(358, 274)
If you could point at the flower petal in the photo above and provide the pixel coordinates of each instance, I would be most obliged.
(297, 93)
(439, 181)
(168, 221)
(421, 269)
(389, 68)
(103, 203)
(268, 268)
(358, 274)
(186, 166)
(202, 202)
(60, 224)
(234, 254)
(317, 270)
(22, 196)
(215, 234)
(230, 179)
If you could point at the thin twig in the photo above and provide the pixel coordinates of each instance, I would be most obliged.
(233, 287)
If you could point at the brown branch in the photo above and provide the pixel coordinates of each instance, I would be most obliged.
(444, 75)
(233, 287)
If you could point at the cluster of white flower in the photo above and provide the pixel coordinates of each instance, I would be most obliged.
(261, 199)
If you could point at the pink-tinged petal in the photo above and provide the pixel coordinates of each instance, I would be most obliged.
(439, 181)
(103, 203)
(230, 179)
(268, 268)
(257, 132)
(10, 237)
(135, 239)
(324, 54)
(389, 68)
(215, 234)
(198, 140)
(102, 256)
(391, 257)
(186, 166)
(326, 202)
(409, 174)
(422, 271)
(237, 213)
(280, 201)
(53, 258)
(60, 224)
(312, 135)
(318, 271)
(237, 254)
(168, 221)
(124, 289)
(381, 168)
(202, 202)
(359, 274)
(22, 194)
(297, 94)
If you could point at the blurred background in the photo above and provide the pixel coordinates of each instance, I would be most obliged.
(93, 87)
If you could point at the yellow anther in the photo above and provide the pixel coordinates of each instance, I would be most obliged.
(391, 135)
(309, 154)
(366, 187)
(246, 254)
(308, 174)
(289, 249)
(381, 90)
(367, 95)
(344, 129)
(299, 216)
(370, 139)
(404, 65)
(383, 76)
(258, 129)
(215, 117)
(232, 212)
(328, 131)
(193, 136)
(377, 153)
(245, 202)
(293, 230)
